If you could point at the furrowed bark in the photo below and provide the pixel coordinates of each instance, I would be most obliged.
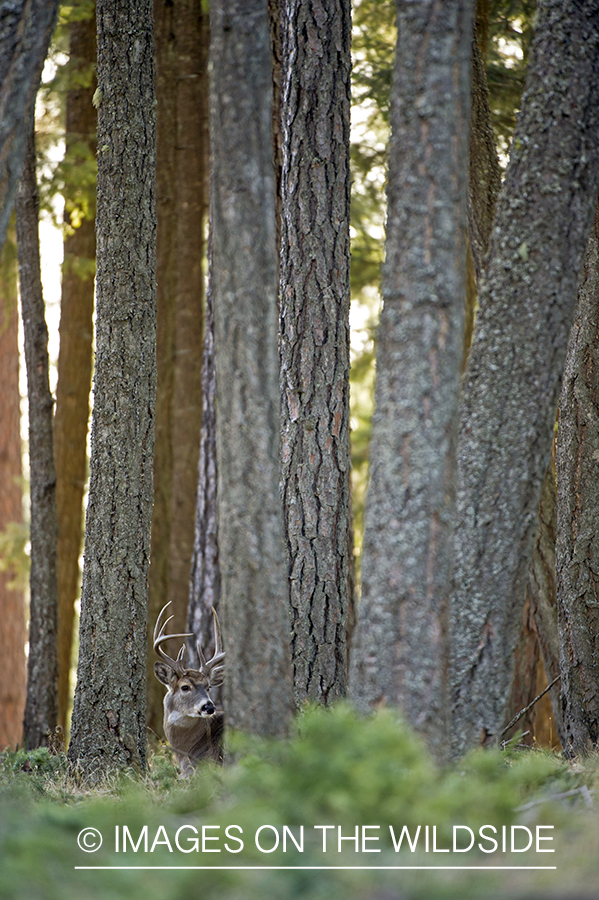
(577, 551)
(514, 370)
(109, 714)
(400, 653)
(244, 278)
(314, 341)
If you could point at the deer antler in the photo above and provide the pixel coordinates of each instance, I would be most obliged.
(210, 668)
(177, 665)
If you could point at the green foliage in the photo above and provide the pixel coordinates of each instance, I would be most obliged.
(511, 25)
(39, 761)
(13, 557)
(336, 769)
(72, 174)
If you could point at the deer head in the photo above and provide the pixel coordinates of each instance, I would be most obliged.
(192, 725)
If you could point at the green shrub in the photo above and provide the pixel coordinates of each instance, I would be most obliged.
(335, 770)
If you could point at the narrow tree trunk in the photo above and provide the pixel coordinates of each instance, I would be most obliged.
(27, 27)
(75, 357)
(109, 721)
(166, 292)
(192, 159)
(400, 651)
(577, 552)
(314, 341)
(244, 278)
(182, 195)
(542, 590)
(205, 586)
(484, 170)
(42, 675)
(536, 656)
(515, 364)
(13, 681)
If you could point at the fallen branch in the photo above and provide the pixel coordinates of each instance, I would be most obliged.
(530, 705)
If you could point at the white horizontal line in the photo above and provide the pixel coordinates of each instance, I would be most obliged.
(344, 868)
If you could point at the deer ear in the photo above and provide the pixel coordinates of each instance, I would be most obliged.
(163, 673)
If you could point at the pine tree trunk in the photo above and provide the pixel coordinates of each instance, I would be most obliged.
(27, 27)
(400, 653)
(542, 590)
(244, 280)
(41, 708)
(514, 370)
(205, 586)
(182, 195)
(192, 159)
(537, 654)
(314, 341)
(109, 714)
(166, 292)
(577, 551)
(74, 359)
(13, 681)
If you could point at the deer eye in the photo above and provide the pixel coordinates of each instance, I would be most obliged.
(185, 687)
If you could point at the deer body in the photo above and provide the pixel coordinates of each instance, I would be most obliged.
(192, 724)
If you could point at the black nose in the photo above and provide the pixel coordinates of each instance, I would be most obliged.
(208, 708)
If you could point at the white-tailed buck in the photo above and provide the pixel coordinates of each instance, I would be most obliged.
(192, 724)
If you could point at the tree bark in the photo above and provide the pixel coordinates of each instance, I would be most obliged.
(542, 590)
(13, 680)
(314, 341)
(42, 671)
(182, 38)
(205, 585)
(537, 653)
(484, 170)
(514, 369)
(258, 685)
(75, 356)
(109, 721)
(192, 160)
(166, 292)
(26, 27)
(577, 551)
(400, 654)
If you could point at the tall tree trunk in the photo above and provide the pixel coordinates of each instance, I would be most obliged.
(109, 714)
(542, 590)
(166, 292)
(577, 552)
(42, 673)
(537, 653)
(13, 681)
(27, 27)
(182, 38)
(205, 585)
(514, 369)
(400, 652)
(314, 341)
(192, 160)
(484, 170)
(244, 280)
(75, 355)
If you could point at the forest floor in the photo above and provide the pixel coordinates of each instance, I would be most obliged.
(346, 808)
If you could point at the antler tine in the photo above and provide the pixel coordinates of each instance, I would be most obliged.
(160, 637)
(210, 667)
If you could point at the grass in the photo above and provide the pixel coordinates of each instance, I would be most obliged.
(338, 779)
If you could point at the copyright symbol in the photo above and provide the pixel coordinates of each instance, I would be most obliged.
(89, 840)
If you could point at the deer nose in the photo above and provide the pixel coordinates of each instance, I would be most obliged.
(207, 708)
